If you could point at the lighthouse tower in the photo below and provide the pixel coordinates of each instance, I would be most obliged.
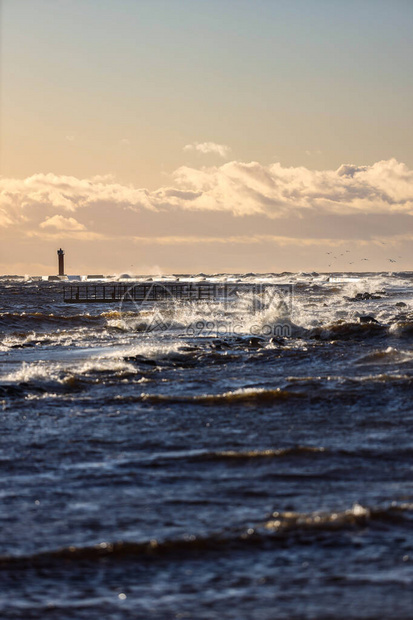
(61, 258)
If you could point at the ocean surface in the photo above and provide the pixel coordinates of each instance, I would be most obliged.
(244, 459)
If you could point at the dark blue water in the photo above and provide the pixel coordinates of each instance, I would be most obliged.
(211, 460)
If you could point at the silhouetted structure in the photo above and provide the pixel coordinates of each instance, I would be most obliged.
(61, 256)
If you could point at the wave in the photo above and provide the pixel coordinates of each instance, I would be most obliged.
(52, 377)
(327, 521)
(312, 311)
(402, 329)
(280, 527)
(244, 395)
(43, 376)
(84, 337)
(386, 356)
(289, 452)
(270, 453)
(349, 331)
(328, 389)
(29, 321)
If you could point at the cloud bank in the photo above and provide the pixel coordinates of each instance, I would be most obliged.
(48, 202)
(240, 188)
(250, 188)
(66, 193)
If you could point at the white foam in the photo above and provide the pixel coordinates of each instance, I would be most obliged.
(38, 371)
(105, 364)
(51, 372)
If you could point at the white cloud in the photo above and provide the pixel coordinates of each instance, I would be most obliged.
(251, 188)
(68, 193)
(235, 188)
(62, 223)
(207, 148)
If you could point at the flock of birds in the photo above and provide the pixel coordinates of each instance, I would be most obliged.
(391, 260)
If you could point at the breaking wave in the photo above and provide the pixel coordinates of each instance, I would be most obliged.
(386, 356)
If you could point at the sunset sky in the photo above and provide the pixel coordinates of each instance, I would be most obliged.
(206, 135)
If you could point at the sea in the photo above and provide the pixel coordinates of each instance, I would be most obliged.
(232, 458)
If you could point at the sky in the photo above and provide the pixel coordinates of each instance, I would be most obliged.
(183, 136)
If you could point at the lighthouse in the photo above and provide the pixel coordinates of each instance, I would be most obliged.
(61, 258)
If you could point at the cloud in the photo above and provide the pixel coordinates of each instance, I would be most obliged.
(280, 240)
(349, 170)
(5, 219)
(79, 235)
(251, 188)
(68, 193)
(207, 148)
(62, 223)
(232, 189)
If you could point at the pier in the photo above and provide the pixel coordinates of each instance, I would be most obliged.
(157, 291)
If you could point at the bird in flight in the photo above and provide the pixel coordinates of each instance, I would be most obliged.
(391, 260)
